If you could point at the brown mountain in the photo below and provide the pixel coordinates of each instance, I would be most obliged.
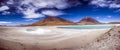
(49, 21)
(88, 21)
(114, 23)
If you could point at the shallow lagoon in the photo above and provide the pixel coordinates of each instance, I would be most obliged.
(88, 27)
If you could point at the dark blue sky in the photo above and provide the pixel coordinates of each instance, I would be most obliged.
(101, 14)
(13, 13)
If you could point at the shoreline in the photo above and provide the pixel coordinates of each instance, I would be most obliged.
(63, 38)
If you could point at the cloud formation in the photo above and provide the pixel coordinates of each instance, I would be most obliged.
(5, 12)
(4, 22)
(30, 13)
(52, 12)
(106, 3)
(3, 8)
(40, 8)
(29, 8)
(107, 17)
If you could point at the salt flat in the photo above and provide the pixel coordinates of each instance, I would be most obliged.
(47, 37)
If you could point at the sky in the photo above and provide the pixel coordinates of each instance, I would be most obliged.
(16, 12)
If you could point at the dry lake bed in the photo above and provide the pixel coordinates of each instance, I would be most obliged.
(52, 37)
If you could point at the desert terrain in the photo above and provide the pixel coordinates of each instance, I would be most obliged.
(52, 38)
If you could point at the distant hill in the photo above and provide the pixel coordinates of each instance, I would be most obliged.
(88, 21)
(114, 23)
(50, 21)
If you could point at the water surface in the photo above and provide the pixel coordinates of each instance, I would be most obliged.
(88, 27)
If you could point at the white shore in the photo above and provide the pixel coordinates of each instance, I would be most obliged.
(49, 37)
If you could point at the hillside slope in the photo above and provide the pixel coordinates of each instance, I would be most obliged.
(88, 21)
(48, 21)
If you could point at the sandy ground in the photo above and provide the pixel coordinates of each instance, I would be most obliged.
(109, 41)
(17, 38)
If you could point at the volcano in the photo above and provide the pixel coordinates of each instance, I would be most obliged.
(50, 21)
(88, 21)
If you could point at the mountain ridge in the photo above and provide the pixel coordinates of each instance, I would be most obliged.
(52, 21)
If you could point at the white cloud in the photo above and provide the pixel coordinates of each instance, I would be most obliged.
(29, 20)
(52, 12)
(4, 22)
(97, 17)
(109, 16)
(106, 3)
(31, 6)
(33, 15)
(5, 12)
(101, 3)
(10, 2)
(3, 8)
(114, 5)
(105, 18)
(30, 13)
(60, 4)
